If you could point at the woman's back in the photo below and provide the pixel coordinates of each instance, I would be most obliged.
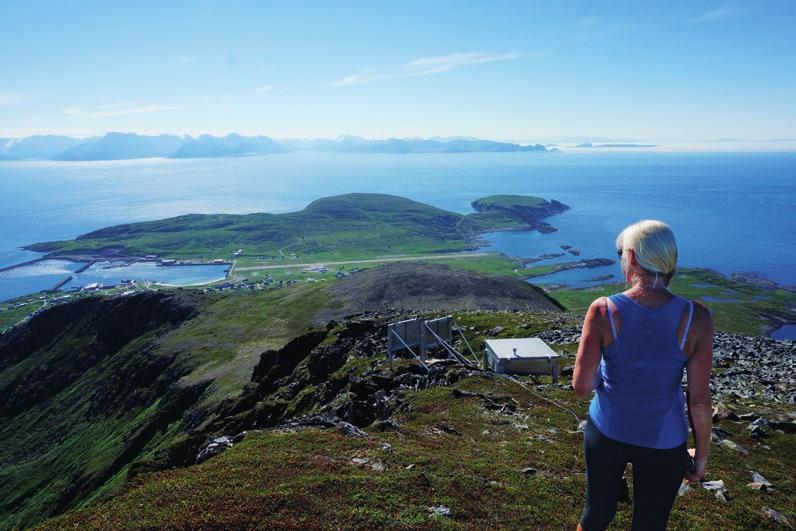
(632, 353)
(639, 399)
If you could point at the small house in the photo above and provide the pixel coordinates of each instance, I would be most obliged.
(527, 355)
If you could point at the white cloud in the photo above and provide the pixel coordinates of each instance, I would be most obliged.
(717, 14)
(263, 89)
(424, 66)
(590, 21)
(119, 109)
(8, 98)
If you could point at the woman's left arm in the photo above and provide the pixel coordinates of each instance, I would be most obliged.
(589, 351)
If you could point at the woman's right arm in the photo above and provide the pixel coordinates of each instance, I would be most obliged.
(589, 352)
(700, 408)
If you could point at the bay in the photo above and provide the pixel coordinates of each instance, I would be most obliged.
(730, 212)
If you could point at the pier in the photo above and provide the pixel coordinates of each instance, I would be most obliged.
(61, 283)
(9, 268)
(86, 266)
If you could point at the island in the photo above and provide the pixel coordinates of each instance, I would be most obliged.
(358, 225)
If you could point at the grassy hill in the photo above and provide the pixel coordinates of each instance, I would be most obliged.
(106, 402)
(361, 225)
(93, 390)
(494, 453)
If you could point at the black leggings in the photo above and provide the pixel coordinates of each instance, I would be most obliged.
(657, 475)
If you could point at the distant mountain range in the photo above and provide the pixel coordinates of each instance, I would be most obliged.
(114, 146)
(591, 145)
(118, 146)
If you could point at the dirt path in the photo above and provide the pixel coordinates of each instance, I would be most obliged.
(368, 261)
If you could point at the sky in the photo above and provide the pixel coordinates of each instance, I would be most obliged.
(524, 71)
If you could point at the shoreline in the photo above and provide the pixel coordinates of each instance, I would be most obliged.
(89, 260)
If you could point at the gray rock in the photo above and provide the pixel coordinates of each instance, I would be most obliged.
(529, 471)
(439, 510)
(777, 517)
(215, 447)
(494, 331)
(760, 428)
(721, 412)
(352, 431)
(734, 446)
(684, 489)
(758, 478)
(717, 484)
(718, 487)
(441, 428)
(387, 425)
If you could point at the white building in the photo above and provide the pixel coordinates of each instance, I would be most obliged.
(527, 355)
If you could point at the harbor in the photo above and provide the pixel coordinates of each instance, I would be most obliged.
(51, 274)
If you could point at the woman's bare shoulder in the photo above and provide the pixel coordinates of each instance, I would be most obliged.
(702, 320)
(599, 307)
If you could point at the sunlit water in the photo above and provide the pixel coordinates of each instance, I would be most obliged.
(731, 212)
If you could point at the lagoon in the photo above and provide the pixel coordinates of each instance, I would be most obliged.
(46, 274)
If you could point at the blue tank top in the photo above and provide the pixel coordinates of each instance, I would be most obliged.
(638, 395)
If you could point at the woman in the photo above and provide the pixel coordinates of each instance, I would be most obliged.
(633, 349)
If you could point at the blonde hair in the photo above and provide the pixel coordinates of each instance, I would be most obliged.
(654, 245)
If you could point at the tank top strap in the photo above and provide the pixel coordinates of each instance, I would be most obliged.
(611, 316)
(666, 316)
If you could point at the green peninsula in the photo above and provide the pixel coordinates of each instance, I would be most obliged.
(352, 225)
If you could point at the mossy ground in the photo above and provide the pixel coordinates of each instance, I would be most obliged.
(308, 479)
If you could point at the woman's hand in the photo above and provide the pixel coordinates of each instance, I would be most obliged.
(695, 475)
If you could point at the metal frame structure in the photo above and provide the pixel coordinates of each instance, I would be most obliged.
(420, 333)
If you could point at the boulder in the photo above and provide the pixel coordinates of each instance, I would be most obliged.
(494, 331)
(439, 510)
(778, 517)
(214, 447)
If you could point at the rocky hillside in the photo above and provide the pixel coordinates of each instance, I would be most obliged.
(325, 436)
(435, 287)
(115, 410)
(95, 390)
(82, 391)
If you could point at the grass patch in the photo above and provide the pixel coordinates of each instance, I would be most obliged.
(308, 478)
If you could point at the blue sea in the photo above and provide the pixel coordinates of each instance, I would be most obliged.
(730, 212)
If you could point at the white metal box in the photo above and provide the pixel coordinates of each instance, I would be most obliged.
(527, 355)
